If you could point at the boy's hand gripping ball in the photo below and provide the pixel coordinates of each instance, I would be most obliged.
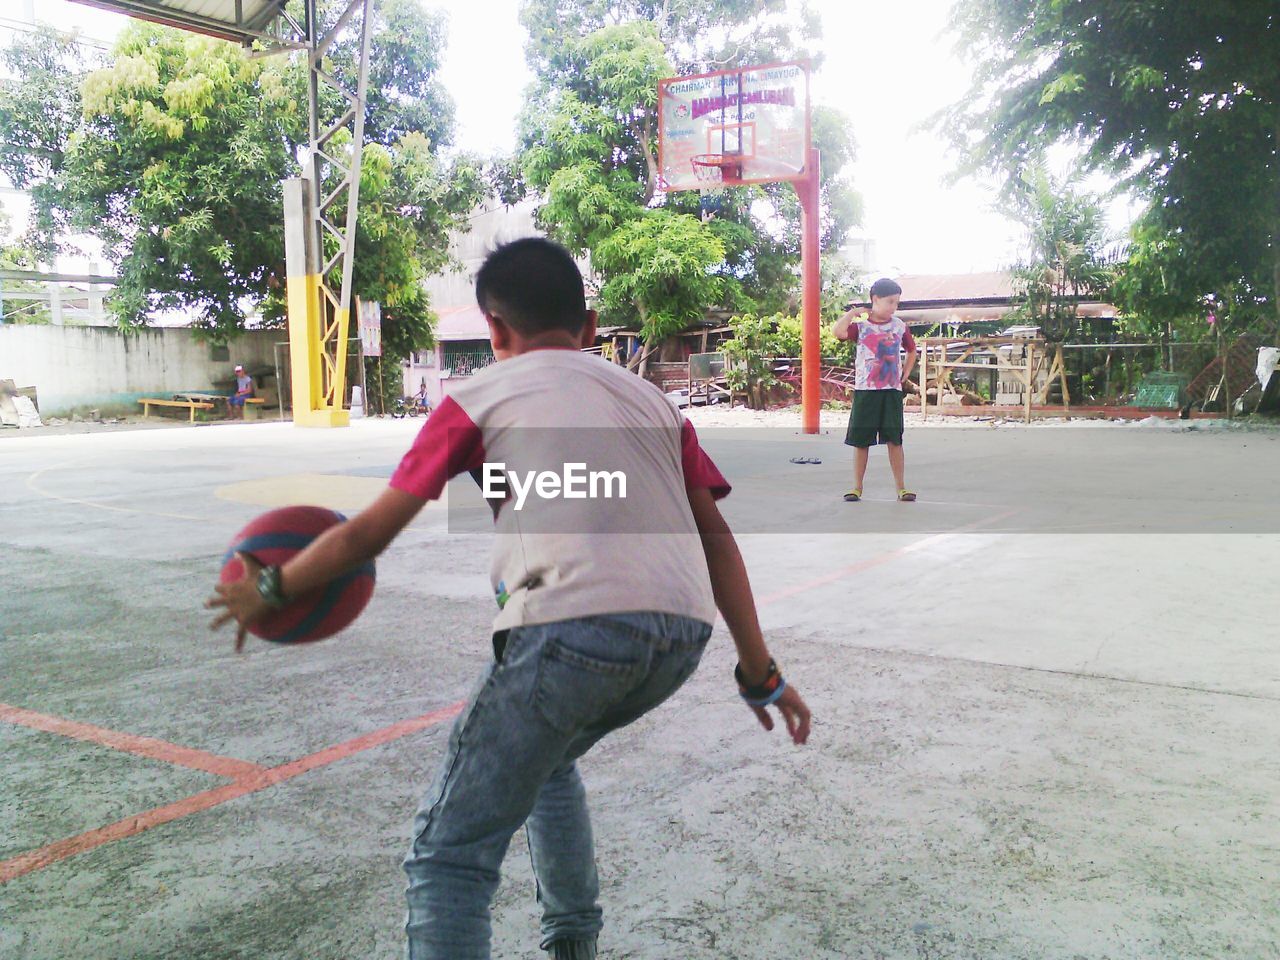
(272, 539)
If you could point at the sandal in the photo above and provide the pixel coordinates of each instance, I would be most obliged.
(906, 496)
(853, 496)
(805, 460)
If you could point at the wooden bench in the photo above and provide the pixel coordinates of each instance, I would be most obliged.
(217, 398)
(192, 405)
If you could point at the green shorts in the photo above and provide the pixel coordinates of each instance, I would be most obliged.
(876, 418)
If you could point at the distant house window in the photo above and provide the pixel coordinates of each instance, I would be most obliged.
(426, 358)
(219, 353)
(462, 358)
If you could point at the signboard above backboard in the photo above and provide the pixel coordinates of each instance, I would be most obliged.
(742, 126)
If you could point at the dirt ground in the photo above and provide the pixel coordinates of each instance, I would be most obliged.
(1045, 700)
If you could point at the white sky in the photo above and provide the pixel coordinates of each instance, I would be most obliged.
(888, 67)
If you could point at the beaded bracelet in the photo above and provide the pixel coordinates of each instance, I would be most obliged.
(764, 693)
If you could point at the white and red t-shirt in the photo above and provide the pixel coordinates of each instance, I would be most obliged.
(556, 557)
(878, 365)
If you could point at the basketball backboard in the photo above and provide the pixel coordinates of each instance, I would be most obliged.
(734, 127)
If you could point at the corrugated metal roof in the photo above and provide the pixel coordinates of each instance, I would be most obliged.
(240, 20)
(957, 286)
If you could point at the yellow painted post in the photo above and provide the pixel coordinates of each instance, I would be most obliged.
(340, 364)
(304, 298)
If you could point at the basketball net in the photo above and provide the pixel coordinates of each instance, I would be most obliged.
(710, 169)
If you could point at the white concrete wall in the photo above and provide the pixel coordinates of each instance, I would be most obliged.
(100, 367)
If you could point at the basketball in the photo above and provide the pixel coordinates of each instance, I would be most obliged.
(272, 539)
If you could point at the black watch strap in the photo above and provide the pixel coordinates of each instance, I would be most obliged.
(269, 587)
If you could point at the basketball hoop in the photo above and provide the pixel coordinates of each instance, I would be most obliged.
(714, 170)
(729, 128)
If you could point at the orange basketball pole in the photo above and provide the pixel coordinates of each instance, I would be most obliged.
(809, 191)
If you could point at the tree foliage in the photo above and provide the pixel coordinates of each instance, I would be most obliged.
(405, 94)
(661, 263)
(701, 35)
(39, 113)
(1181, 100)
(589, 142)
(17, 255)
(759, 341)
(1067, 259)
(410, 201)
(174, 155)
(177, 167)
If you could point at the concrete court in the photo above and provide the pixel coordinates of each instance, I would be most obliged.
(1045, 721)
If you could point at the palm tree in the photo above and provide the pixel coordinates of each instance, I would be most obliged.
(1068, 261)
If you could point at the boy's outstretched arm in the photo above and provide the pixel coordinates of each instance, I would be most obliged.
(333, 553)
(733, 596)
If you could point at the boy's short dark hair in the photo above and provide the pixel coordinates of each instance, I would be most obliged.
(884, 287)
(534, 285)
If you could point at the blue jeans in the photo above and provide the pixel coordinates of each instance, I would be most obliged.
(558, 689)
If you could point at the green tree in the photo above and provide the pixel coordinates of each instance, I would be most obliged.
(1181, 100)
(751, 353)
(661, 265)
(410, 201)
(405, 94)
(39, 112)
(177, 169)
(1067, 259)
(18, 255)
(589, 147)
(701, 35)
(759, 341)
(178, 150)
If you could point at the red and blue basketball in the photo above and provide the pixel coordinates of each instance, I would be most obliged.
(272, 539)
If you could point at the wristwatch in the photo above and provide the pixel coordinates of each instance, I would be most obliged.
(269, 587)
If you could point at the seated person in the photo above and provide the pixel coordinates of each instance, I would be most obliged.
(244, 390)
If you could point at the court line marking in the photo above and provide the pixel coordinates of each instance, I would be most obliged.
(1059, 671)
(253, 782)
(260, 779)
(882, 558)
(149, 747)
(36, 489)
(1056, 671)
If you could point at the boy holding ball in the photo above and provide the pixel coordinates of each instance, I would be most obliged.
(605, 605)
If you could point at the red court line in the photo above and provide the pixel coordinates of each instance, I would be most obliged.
(258, 779)
(148, 747)
(878, 559)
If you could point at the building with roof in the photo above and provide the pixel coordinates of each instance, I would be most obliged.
(973, 302)
(462, 334)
